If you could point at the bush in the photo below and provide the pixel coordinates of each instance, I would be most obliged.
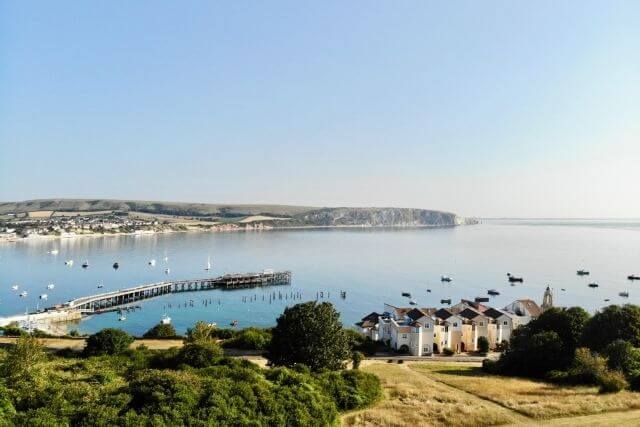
(490, 366)
(250, 339)
(223, 333)
(200, 354)
(483, 345)
(404, 349)
(448, 352)
(357, 358)
(587, 368)
(13, 331)
(351, 389)
(108, 341)
(558, 377)
(612, 382)
(161, 331)
(201, 331)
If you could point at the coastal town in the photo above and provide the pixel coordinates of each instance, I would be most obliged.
(56, 224)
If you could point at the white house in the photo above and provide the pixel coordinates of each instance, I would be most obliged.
(425, 331)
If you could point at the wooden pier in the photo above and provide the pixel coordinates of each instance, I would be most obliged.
(112, 300)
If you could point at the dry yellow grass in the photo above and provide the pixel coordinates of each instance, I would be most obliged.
(534, 399)
(413, 399)
(255, 218)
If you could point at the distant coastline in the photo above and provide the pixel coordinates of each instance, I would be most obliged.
(64, 218)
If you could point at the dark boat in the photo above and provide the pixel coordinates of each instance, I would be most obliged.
(582, 273)
(493, 292)
(624, 294)
(482, 299)
(633, 277)
(593, 285)
(406, 294)
(116, 266)
(514, 279)
(445, 301)
(85, 264)
(445, 279)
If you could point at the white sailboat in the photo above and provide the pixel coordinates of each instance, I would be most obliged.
(152, 262)
(44, 296)
(167, 271)
(51, 286)
(14, 287)
(24, 294)
(208, 267)
(68, 262)
(166, 258)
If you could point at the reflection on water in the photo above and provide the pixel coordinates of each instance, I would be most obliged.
(372, 266)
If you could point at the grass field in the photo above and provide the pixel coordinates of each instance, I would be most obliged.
(443, 394)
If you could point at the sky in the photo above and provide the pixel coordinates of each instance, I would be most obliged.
(489, 109)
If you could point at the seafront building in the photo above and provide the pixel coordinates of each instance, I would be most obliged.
(425, 331)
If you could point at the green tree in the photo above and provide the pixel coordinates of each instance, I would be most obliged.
(201, 331)
(357, 358)
(568, 323)
(161, 330)
(107, 341)
(612, 323)
(483, 345)
(199, 354)
(310, 334)
(24, 361)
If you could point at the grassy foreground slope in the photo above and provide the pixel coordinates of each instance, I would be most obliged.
(452, 394)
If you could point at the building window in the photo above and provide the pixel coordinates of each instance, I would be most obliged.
(481, 323)
(427, 326)
(455, 324)
(425, 350)
(404, 336)
(504, 323)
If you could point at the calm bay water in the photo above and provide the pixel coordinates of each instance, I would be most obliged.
(373, 266)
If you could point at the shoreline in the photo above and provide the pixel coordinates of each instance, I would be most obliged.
(42, 238)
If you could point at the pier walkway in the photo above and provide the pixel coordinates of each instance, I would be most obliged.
(109, 300)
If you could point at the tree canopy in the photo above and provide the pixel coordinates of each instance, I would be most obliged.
(310, 334)
(107, 341)
(613, 323)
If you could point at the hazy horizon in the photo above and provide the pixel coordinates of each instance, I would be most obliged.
(503, 110)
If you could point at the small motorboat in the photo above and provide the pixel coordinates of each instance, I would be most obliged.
(23, 294)
(122, 318)
(116, 266)
(152, 262)
(624, 294)
(167, 271)
(429, 290)
(68, 262)
(582, 273)
(233, 323)
(413, 302)
(445, 301)
(482, 299)
(14, 287)
(208, 267)
(85, 264)
(607, 300)
(44, 296)
(51, 286)
(514, 279)
(54, 251)
(563, 289)
(406, 294)
(493, 292)
(445, 279)
(343, 294)
(166, 320)
(633, 277)
(593, 285)
(100, 286)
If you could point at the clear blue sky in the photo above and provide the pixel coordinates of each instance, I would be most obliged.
(504, 108)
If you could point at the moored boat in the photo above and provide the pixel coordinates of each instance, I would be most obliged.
(514, 279)
(445, 279)
(445, 301)
(582, 273)
(593, 285)
(482, 299)
(406, 294)
(624, 294)
(633, 277)
(493, 292)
